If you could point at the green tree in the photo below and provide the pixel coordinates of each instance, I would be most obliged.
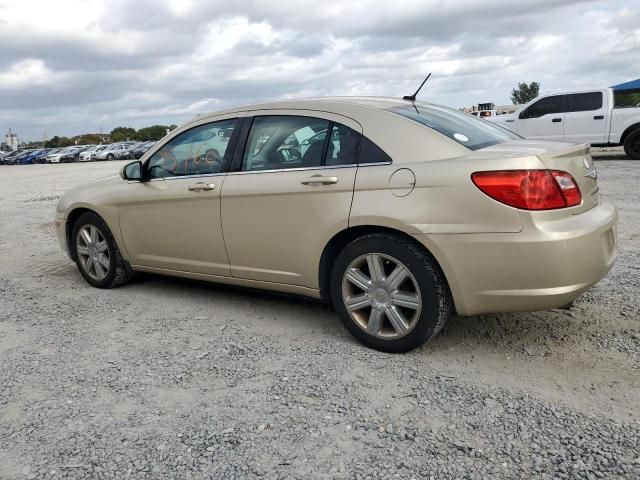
(525, 93)
(56, 142)
(120, 134)
(154, 132)
(88, 139)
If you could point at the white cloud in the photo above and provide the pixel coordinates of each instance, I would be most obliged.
(75, 65)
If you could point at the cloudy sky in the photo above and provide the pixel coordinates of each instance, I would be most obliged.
(78, 66)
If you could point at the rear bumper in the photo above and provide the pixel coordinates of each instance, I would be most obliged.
(546, 265)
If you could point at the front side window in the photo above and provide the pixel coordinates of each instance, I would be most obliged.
(279, 141)
(466, 130)
(584, 102)
(544, 106)
(198, 151)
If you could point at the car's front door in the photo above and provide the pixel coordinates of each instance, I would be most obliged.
(291, 191)
(171, 220)
(543, 119)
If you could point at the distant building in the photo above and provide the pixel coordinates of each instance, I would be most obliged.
(490, 107)
(12, 141)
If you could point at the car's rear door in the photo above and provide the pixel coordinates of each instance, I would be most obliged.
(586, 118)
(171, 220)
(289, 192)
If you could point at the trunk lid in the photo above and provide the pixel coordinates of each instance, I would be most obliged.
(571, 158)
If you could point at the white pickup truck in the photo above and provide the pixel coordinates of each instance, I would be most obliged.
(596, 117)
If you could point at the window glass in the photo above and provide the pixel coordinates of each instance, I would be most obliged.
(466, 130)
(544, 106)
(371, 153)
(343, 149)
(584, 102)
(281, 141)
(627, 99)
(197, 151)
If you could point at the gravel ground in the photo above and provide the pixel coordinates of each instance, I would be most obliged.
(167, 378)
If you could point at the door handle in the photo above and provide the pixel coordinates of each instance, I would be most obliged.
(509, 121)
(319, 180)
(201, 186)
(556, 120)
(598, 117)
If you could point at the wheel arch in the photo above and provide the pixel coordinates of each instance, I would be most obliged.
(344, 237)
(73, 216)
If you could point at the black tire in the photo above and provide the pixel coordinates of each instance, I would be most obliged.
(119, 273)
(110, 156)
(632, 145)
(437, 304)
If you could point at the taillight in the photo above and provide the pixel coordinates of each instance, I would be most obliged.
(530, 189)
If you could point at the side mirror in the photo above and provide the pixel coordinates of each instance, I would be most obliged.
(132, 171)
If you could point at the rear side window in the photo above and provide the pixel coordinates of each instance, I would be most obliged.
(371, 153)
(343, 146)
(466, 130)
(278, 142)
(584, 102)
(627, 98)
(283, 142)
(544, 106)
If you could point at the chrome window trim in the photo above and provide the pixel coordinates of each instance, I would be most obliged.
(180, 177)
(298, 169)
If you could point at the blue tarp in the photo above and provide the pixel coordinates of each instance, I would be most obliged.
(632, 85)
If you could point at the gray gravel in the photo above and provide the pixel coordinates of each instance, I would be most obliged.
(167, 378)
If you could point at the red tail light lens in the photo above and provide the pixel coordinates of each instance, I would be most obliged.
(530, 189)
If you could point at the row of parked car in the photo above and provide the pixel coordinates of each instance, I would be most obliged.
(77, 153)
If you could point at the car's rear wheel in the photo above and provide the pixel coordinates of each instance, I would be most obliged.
(96, 252)
(632, 145)
(110, 156)
(389, 293)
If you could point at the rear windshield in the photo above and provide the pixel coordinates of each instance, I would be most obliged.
(465, 129)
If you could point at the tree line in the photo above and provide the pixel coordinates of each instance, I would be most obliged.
(118, 134)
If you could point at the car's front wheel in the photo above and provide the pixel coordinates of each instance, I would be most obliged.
(96, 252)
(389, 293)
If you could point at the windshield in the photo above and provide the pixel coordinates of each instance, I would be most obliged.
(465, 129)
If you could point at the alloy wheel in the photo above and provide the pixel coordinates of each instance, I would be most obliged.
(93, 252)
(381, 295)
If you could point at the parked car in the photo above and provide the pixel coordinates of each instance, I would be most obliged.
(85, 155)
(54, 157)
(83, 148)
(411, 211)
(582, 117)
(115, 151)
(29, 159)
(71, 154)
(41, 156)
(94, 154)
(139, 150)
(21, 156)
(10, 158)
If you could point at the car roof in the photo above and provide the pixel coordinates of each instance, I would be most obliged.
(340, 105)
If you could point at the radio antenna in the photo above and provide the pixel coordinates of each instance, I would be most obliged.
(412, 98)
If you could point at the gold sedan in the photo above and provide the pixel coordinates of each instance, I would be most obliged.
(399, 213)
